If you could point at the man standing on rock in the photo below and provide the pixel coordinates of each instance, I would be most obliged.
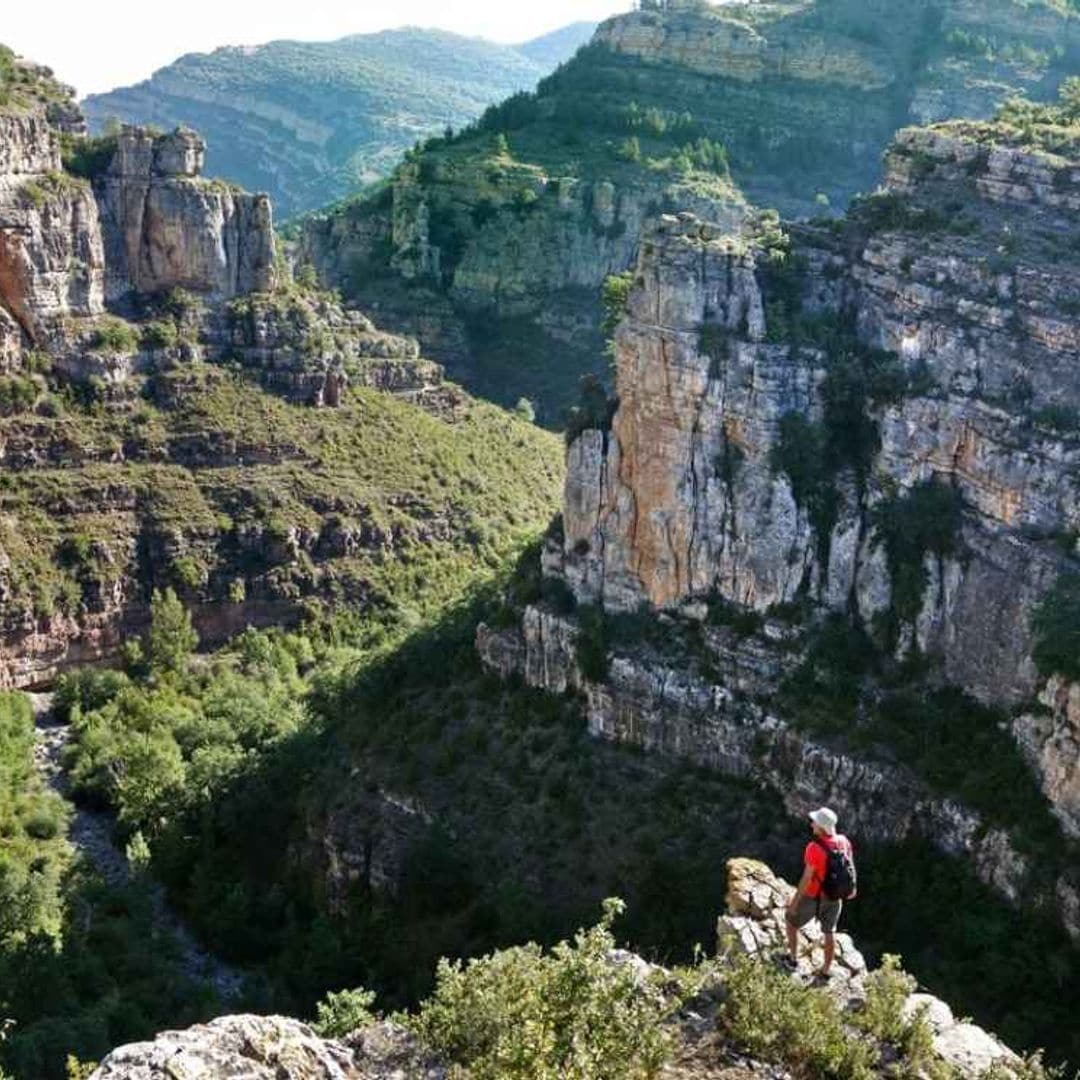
(828, 879)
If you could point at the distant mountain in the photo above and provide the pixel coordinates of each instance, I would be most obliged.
(552, 49)
(309, 122)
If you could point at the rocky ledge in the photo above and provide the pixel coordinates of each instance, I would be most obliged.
(277, 1048)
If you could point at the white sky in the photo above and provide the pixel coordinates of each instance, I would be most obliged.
(100, 44)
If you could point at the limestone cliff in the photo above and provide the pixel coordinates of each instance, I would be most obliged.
(514, 224)
(872, 422)
(156, 364)
(166, 227)
(255, 1047)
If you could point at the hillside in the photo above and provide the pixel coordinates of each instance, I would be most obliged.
(311, 122)
(823, 538)
(492, 246)
(193, 446)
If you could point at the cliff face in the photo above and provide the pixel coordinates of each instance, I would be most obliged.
(155, 379)
(51, 252)
(804, 98)
(165, 227)
(873, 421)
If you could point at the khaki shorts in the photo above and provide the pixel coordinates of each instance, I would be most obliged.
(826, 911)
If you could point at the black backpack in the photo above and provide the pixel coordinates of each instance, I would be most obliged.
(840, 878)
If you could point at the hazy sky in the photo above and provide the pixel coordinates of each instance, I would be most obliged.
(99, 44)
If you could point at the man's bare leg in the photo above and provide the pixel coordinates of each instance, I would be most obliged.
(793, 941)
(830, 952)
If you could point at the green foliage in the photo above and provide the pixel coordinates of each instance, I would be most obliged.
(111, 975)
(153, 750)
(33, 854)
(891, 212)
(592, 644)
(924, 521)
(947, 922)
(87, 157)
(19, 393)
(1056, 623)
(160, 334)
(882, 1015)
(341, 1013)
(112, 334)
(432, 77)
(171, 639)
(615, 298)
(525, 410)
(570, 1014)
(779, 1020)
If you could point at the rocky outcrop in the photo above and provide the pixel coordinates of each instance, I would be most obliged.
(270, 1048)
(754, 926)
(166, 227)
(253, 1047)
(51, 257)
(310, 349)
(684, 496)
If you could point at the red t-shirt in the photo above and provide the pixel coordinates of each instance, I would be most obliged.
(815, 858)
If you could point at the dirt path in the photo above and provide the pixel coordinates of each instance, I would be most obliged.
(91, 834)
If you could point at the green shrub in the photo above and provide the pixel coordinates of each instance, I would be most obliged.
(112, 334)
(19, 393)
(925, 521)
(339, 1014)
(88, 157)
(615, 298)
(592, 644)
(171, 638)
(570, 1014)
(1056, 623)
(882, 1015)
(779, 1020)
(160, 334)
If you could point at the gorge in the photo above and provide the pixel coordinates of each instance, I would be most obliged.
(360, 697)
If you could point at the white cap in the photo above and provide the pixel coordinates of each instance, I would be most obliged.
(825, 819)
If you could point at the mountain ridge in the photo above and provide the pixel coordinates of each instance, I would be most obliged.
(310, 122)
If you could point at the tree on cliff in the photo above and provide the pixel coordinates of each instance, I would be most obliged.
(172, 637)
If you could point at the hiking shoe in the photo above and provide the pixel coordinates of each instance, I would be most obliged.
(786, 963)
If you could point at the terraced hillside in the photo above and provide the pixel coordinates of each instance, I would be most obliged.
(492, 246)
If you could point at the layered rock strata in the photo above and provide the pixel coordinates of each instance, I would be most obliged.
(736, 472)
(803, 97)
(138, 447)
(166, 227)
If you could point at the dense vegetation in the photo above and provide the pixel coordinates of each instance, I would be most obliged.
(310, 122)
(377, 465)
(82, 965)
(33, 821)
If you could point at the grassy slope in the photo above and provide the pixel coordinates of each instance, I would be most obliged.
(378, 462)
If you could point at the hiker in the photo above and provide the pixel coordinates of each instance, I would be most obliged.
(828, 879)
